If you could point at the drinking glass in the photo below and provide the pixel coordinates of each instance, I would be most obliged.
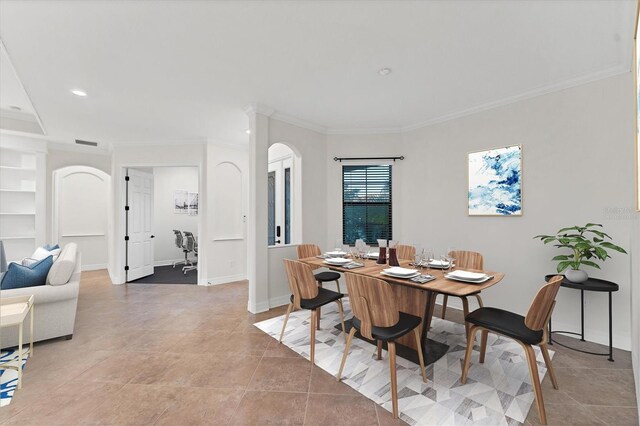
(428, 257)
(419, 259)
(338, 244)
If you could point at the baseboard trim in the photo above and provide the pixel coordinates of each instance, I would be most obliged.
(226, 279)
(94, 267)
(167, 262)
(256, 308)
(274, 302)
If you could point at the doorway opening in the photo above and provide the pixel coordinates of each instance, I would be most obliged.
(161, 224)
(283, 180)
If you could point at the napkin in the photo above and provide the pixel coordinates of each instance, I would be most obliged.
(421, 279)
(353, 265)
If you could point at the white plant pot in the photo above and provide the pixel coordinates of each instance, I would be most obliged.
(576, 275)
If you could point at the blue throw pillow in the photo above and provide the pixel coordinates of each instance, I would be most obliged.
(18, 276)
(49, 247)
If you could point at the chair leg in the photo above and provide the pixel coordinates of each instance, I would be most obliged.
(286, 318)
(535, 382)
(338, 286)
(341, 310)
(420, 357)
(483, 344)
(352, 332)
(465, 311)
(319, 311)
(444, 305)
(391, 348)
(312, 350)
(379, 344)
(547, 360)
(467, 355)
(480, 304)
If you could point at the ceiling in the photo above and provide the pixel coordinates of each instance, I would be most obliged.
(183, 71)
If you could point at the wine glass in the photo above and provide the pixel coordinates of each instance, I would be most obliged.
(428, 257)
(338, 245)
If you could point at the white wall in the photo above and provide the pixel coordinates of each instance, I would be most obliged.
(311, 147)
(166, 180)
(228, 174)
(57, 157)
(578, 167)
(635, 305)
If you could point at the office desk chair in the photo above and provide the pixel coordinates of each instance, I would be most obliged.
(190, 246)
(180, 243)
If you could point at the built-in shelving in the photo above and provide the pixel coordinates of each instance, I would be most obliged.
(22, 178)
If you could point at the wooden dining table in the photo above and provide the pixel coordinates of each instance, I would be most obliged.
(415, 298)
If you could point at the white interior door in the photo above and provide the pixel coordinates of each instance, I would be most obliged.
(140, 225)
(280, 201)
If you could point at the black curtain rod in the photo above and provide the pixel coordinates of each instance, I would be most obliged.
(368, 158)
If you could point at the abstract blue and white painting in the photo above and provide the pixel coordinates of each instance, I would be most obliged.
(495, 182)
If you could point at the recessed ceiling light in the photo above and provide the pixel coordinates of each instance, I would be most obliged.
(80, 93)
(384, 71)
(248, 131)
(15, 107)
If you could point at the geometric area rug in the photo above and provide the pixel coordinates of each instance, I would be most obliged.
(9, 377)
(498, 392)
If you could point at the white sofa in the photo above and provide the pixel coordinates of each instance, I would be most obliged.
(54, 305)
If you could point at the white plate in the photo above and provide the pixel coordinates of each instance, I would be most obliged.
(485, 279)
(336, 253)
(337, 261)
(468, 275)
(396, 270)
(400, 276)
(373, 255)
(438, 263)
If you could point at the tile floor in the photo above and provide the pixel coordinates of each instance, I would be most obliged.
(177, 354)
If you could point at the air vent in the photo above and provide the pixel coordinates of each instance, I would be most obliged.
(87, 143)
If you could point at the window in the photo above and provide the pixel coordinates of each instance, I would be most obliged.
(366, 203)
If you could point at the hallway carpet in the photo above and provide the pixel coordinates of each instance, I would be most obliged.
(169, 275)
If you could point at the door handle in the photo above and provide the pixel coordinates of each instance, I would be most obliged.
(153, 236)
(278, 231)
(277, 241)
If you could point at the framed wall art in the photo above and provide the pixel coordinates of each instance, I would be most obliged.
(495, 182)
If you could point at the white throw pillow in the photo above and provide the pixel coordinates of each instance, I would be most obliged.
(43, 253)
(63, 267)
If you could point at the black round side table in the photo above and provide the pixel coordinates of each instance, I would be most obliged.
(592, 284)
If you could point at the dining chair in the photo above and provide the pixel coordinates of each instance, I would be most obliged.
(305, 294)
(465, 260)
(406, 252)
(376, 317)
(312, 250)
(532, 329)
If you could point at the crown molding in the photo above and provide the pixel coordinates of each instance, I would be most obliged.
(373, 131)
(529, 94)
(258, 108)
(290, 119)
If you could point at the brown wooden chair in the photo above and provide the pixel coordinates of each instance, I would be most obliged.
(376, 317)
(312, 250)
(307, 295)
(530, 330)
(465, 260)
(406, 252)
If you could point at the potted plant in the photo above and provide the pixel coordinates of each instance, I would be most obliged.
(587, 246)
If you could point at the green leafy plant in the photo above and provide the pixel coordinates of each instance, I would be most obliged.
(586, 244)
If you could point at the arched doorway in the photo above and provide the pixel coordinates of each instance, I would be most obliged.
(284, 195)
(80, 212)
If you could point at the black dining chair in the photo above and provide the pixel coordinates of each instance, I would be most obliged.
(529, 330)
